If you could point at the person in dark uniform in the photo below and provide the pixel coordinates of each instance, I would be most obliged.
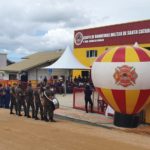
(20, 95)
(13, 99)
(1, 95)
(38, 104)
(30, 100)
(7, 95)
(88, 93)
(48, 105)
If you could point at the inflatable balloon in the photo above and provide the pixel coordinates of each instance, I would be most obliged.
(122, 77)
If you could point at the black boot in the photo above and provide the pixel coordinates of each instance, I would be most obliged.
(45, 118)
(11, 112)
(52, 120)
(36, 118)
(19, 114)
(42, 118)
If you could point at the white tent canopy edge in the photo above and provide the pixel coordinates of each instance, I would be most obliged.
(67, 61)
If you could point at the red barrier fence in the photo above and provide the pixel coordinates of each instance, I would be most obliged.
(99, 106)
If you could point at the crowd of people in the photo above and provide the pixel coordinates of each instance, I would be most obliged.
(60, 84)
(22, 100)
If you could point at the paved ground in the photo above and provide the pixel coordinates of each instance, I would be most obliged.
(82, 116)
(66, 110)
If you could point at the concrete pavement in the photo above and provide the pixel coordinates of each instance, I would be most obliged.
(67, 111)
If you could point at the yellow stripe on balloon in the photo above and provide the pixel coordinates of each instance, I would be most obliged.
(131, 100)
(109, 96)
(131, 55)
(109, 56)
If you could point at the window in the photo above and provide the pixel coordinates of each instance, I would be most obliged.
(91, 53)
(12, 77)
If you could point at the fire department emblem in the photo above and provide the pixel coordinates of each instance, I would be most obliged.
(78, 38)
(125, 75)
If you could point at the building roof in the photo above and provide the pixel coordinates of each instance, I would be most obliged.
(33, 61)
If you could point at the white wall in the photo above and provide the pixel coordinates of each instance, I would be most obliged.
(36, 74)
(4, 76)
(1, 75)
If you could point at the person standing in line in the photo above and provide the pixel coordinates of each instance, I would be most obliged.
(45, 80)
(1, 95)
(88, 99)
(13, 99)
(7, 96)
(30, 100)
(48, 105)
(20, 96)
(38, 104)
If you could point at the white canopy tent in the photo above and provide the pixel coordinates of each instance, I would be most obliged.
(68, 62)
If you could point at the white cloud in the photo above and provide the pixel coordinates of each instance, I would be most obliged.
(57, 38)
(22, 50)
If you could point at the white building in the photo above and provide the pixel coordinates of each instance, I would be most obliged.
(30, 68)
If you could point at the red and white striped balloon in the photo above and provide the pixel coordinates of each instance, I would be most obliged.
(122, 77)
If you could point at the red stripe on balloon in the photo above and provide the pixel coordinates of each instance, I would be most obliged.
(143, 96)
(119, 96)
(101, 57)
(141, 54)
(119, 55)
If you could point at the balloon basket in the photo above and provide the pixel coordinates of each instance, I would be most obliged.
(125, 120)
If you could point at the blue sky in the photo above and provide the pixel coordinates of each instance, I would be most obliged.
(29, 26)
